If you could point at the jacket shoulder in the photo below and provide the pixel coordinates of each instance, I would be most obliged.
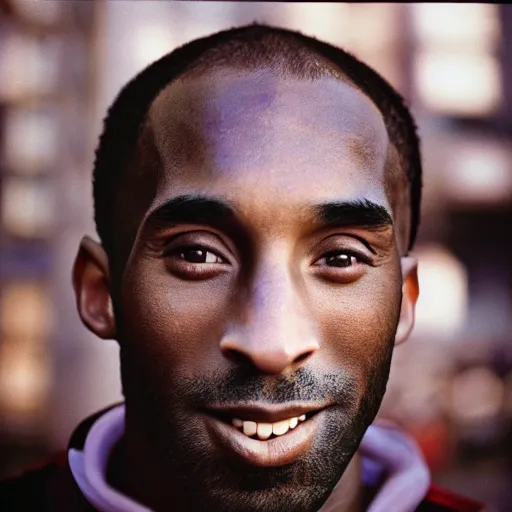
(47, 487)
(441, 500)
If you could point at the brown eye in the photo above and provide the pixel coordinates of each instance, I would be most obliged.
(198, 255)
(338, 259)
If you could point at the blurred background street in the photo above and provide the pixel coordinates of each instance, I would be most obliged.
(61, 65)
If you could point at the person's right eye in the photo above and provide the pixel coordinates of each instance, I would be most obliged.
(194, 262)
(197, 254)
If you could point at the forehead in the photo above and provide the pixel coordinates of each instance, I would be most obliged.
(266, 142)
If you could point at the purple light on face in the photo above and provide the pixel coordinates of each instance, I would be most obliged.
(236, 126)
(262, 100)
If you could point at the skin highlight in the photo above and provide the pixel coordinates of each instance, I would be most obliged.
(284, 307)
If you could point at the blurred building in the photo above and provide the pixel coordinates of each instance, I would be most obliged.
(61, 65)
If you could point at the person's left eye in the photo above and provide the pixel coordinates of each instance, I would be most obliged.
(340, 259)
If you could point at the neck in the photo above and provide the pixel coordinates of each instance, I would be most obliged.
(348, 495)
(135, 472)
(149, 487)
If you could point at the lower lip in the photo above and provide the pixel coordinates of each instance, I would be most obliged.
(278, 451)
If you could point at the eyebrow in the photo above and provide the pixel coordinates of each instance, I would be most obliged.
(199, 209)
(361, 213)
(193, 209)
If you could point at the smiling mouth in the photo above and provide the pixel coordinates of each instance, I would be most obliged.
(263, 430)
(265, 435)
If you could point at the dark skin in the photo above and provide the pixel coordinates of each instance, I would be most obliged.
(262, 260)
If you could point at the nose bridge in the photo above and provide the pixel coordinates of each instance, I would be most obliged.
(273, 301)
(275, 333)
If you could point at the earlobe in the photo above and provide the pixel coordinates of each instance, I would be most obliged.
(410, 294)
(91, 284)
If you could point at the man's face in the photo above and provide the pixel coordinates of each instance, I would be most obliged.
(263, 283)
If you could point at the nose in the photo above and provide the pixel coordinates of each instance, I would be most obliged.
(275, 334)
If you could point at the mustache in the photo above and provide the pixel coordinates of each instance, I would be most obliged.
(238, 385)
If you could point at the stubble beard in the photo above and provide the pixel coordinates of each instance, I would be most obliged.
(204, 480)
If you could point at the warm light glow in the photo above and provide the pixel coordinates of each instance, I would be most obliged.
(456, 25)
(27, 209)
(29, 67)
(24, 377)
(150, 42)
(327, 21)
(476, 394)
(378, 20)
(479, 172)
(442, 303)
(25, 310)
(458, 83)
(31, 141)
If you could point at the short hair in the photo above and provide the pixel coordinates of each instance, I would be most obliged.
(249, 47)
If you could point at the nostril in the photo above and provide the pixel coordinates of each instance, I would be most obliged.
(236, 357)
(303, 356)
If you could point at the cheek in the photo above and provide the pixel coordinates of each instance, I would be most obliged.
(171, 323)
(358, 323)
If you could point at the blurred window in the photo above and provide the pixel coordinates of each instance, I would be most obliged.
(30, 140)
(29, 66)
(442, 304)
(456, 69)
(25, 322)
(27, 208)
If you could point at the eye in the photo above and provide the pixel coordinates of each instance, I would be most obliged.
(339, 259)
(197, 254)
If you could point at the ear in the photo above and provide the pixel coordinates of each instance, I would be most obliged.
(410, 294)
(91, 280)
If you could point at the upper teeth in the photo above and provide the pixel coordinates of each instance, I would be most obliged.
(265, 430)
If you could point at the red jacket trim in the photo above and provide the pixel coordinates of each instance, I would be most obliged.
(452, 501)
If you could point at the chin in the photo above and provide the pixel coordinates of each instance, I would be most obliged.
(211, 481)
(301, 487)
(278, 499)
